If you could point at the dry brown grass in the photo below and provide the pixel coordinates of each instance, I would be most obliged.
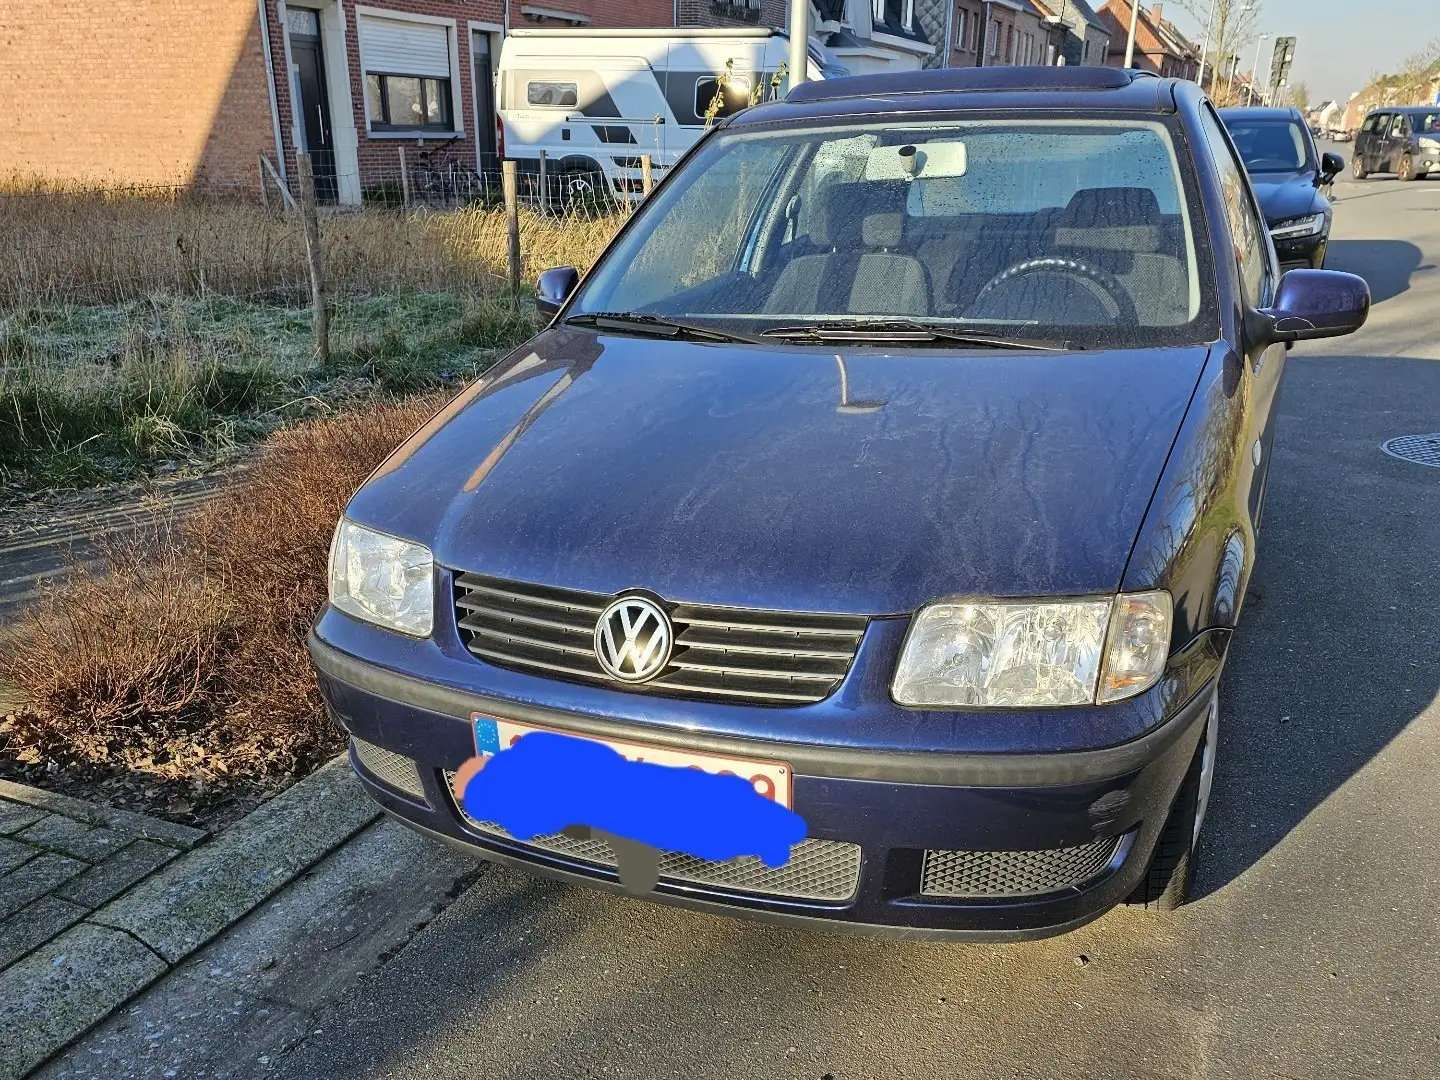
(184, 661)
(105, 246)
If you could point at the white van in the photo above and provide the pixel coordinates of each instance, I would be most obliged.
(595, 100)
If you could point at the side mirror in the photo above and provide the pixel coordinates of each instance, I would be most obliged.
(1331, 165)
(554, 288)
(1314, 304)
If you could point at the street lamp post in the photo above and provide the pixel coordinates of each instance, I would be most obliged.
(1254, 74)
(1130, 44)
(799, 41)
(1205, 45)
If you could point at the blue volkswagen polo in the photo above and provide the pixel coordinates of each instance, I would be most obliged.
(904, 455)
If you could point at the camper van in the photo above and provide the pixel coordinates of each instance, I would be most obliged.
(596, 100)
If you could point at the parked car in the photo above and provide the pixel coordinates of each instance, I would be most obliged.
(904, 454)
(1403, 141)
(1291, 178)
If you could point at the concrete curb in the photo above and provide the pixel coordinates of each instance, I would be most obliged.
(62, 990)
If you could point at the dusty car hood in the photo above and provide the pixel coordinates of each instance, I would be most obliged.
(733, 475)
(1287, 195)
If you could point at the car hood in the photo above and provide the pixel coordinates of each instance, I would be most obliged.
(782, 477)
(1287, 195)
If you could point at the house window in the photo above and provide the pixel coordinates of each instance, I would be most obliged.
(407, 102)
(907, 15)
(877, 9)
(408, 83)
(992, 35)
(959, 28)
(561, 94)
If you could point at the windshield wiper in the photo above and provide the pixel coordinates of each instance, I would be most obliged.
(644, 323)
(906, 330)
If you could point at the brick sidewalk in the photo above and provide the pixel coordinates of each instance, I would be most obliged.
(61, 859)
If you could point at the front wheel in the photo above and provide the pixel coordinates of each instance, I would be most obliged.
(1406, 171)
(1166, 884)
(1357, 168)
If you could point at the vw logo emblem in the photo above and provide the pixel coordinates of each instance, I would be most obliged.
(633, 639)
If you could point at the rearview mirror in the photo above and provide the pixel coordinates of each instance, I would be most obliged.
(1315, 304)
(1331, 165)
(554, 288)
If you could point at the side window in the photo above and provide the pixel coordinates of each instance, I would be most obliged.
(563, 94)
(1397, 126)
(1370, 123)
(726, 95)
(1247, 228)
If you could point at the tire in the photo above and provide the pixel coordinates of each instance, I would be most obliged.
(1357, 167)
(1405, 172)
(1166, 884)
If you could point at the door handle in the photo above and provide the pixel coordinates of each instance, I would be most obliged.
(320, 122)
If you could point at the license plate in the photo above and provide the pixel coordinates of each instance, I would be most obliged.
(770, 778)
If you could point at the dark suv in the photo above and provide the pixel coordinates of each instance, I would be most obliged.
(1404, 141)
(903, 457)
(1291, 179)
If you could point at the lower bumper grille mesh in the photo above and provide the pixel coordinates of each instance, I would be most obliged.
(1014, 873)
(391, 769)
(827, 870)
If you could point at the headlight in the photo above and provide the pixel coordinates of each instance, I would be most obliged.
(1430, 144)
(1302, 226)
(382, 579)
(1026, 653)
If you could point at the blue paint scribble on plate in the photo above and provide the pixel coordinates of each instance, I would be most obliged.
(546, 781)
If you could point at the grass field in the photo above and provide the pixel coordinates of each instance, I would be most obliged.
(143, 331)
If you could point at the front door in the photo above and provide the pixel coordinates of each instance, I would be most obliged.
(309, 60)
(482, 78)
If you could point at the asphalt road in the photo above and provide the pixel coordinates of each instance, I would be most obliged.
(1310, 950)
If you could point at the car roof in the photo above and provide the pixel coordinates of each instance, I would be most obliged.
(1260, 113)
(947, 89)
(1408, 110)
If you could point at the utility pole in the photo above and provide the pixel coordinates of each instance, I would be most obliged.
(799, 38)
(1130, 44)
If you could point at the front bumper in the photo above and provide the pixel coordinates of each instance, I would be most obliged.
(895, 805)
(1303, 252)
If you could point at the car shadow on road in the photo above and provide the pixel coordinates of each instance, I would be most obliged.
(1385, 264)
(1338, 650)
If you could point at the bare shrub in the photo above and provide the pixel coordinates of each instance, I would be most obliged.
(185, 658)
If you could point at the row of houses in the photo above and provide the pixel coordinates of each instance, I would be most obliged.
(151, 92)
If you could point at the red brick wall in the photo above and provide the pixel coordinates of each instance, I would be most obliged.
(134, 91)
(706, 13)
(602, 13)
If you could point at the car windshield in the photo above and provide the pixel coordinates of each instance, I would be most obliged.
(1270, 145)
(1425, 123)
(1073, 232)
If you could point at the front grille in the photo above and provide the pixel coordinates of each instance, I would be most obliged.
(389, 768)
(736, 654)
(1014, 873)
(825, 870)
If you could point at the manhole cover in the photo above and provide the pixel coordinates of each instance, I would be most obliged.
(1421, 449)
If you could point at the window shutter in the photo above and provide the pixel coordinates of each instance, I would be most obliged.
(398, 47)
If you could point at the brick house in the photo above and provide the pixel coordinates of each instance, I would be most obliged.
(1159, 45)
(1025, 32)
(1076, 32)
(147, 92)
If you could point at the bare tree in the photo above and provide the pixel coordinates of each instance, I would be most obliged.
(1299, 96)
(1234, 26)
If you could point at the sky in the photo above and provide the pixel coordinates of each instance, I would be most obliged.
(1339, 44)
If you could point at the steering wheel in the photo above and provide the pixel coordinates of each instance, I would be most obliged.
(1105, 286)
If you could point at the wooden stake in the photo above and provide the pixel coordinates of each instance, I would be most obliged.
(509, 182)
(320, 313)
